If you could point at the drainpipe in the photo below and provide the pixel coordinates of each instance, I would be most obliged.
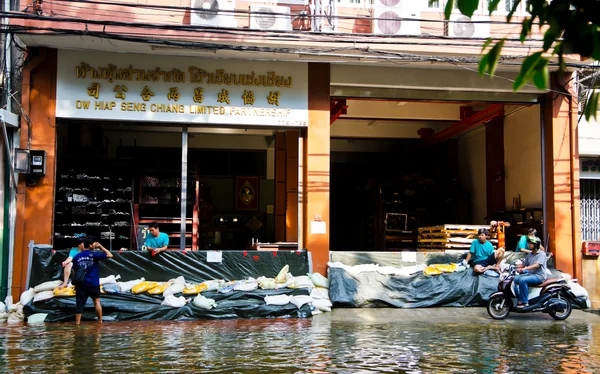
(572, 177)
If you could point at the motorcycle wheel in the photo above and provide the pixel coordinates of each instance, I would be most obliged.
(560, 316)
(496, 309)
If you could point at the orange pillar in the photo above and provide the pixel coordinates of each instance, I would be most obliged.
(561, 167)
(35, 204)
(316, 167)
(291, 186)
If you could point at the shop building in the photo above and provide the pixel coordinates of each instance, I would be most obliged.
(283, 140)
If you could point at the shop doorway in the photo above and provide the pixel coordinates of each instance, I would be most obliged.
(389, 178)
(115, 179)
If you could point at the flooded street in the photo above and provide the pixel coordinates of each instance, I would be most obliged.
(461, 341)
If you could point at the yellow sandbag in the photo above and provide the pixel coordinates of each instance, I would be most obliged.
(281, 277)
(64, 292)
(159, 289)
(194, 289)
(143, 287)
(446, 268)
(431, 270)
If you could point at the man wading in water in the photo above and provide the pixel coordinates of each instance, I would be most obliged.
(89, 286)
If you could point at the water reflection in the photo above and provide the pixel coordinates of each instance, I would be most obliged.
(317, 345)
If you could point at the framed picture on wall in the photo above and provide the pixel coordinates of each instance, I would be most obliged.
(246, 193)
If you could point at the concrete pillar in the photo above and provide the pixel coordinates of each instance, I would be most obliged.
(35, 204)
(561, 174)
(316, 166)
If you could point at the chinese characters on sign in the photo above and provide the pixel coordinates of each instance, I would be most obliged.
(223, 96)
(146, 94)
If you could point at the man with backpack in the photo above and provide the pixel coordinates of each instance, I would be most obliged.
(86, 276)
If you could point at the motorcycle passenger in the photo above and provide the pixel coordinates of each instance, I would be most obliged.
(532, 271)
(484, 256)
(522, 245)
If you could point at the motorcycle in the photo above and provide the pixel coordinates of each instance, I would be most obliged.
(553, 296)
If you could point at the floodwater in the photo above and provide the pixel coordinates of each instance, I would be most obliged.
(318, 345)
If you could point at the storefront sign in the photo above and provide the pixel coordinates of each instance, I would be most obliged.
(108, 86)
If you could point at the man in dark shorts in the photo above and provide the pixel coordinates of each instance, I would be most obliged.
(484, 256)
(88, 259)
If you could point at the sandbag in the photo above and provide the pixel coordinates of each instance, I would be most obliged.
(194, 289)
(37, 318)
(281, 277)
(178, 280)
(319, 293)
(2, 307)
(111, 279)
(174, 289)
(319, 280)
(127, 286)
(174, 302)
(64, 292)
(213, 285)
(277, 300)
(266, 283)
(204, 303)
(43, 296)
(15, 318)
(323, 305)
(47, 286)
(143, 287)
(300, 300)
(246, 286)
(226, 288)
(111, 288)
(27, 296)
(3, 316)
(159, 289)
(302, 281)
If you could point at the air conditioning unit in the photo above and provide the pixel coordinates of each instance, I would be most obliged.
(461, 26)
(215, 13)
(268, 17)
(407, 22)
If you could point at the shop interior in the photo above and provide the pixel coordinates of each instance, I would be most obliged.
(388, 180)
(115, 179)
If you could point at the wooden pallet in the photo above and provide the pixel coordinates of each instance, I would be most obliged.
(454, 227)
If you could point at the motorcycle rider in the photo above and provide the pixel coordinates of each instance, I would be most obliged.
(532, 271)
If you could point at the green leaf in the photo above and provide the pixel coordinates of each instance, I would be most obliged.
(468, 7)
(525, 29)
(488, 41)
(448, 8)
(596, 41)
(527, 70)
(549, 38)
(591, 105)
(513, 10)
(493, 5)
(541, 77)
(490, 60)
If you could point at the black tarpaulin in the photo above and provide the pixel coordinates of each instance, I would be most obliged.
(192, 265)
(143, 307)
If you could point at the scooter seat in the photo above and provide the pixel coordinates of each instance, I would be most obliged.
(549, 281)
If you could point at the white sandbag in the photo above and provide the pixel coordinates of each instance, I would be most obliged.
(302, 281)
(277, 300)
(10, 307)
(204, 302)
(43, 296)
(266, 283)
(281, 277)
(178, 280)
(323, 305)
(47, 286)
(174, 302)
(27, 296)
(315, 312)
(2, 307)
(14, 318)
(3, 316)
(127, 286)
(175, 288)
(111, 288)
(319, 293)
(213, 285)
(300, 300)
(246, 286)
(288, 282)
(111, 279)
(319, 280)
(37, 318)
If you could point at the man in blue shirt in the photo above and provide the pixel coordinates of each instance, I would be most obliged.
(484, 256)
(522, 245)
(90, 287)
(68, 265)
(157, 241)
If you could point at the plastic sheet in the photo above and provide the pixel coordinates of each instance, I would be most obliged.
(192, 265)
(144, 307)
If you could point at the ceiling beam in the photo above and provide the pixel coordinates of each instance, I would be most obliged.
(337, 108)
(467, 124)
